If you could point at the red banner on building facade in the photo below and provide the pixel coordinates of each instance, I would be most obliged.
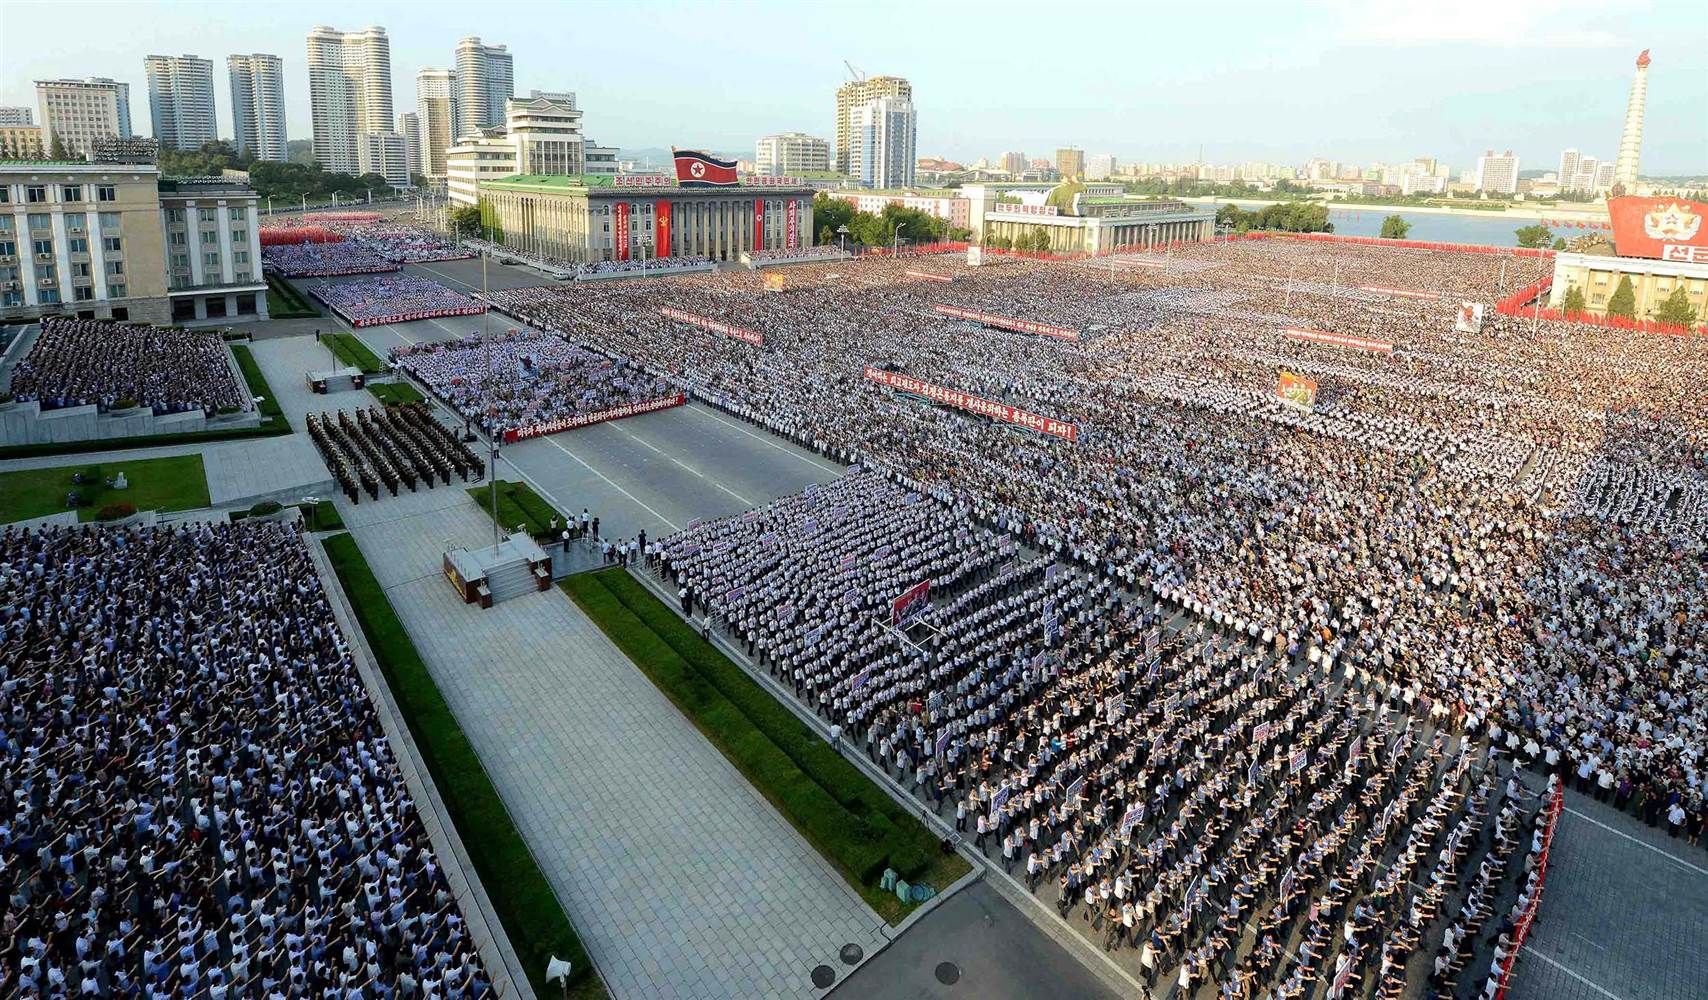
(759, 223)
(791, 217)
(620, 230)
(1338, 340)
(1660, 228)
(1006, 323)
(974, 404)
(740, 333)
(661, 212)
(587, 419)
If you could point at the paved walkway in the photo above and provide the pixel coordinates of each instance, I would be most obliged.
(1624, 915)
(683, 881)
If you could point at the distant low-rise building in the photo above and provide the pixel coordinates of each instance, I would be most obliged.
(22, 142)
(949, 206)
(790, 154)
(1497, 174)
(77, 112)
(213, 250)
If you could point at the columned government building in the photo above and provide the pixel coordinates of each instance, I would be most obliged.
(601, 217)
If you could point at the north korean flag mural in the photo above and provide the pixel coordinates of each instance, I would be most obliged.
(661, 215)
(696, 169)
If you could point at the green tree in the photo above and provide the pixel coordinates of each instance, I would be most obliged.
(1559, 243)
(1533, 235)
(1574, 302)
(1624, 300)
(997, 241)
(1676, 309)
(831, 213)
(465, 220)
(1395, 227)
(826, 236)
(57, 150)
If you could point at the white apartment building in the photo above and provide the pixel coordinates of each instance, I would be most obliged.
(409, 126)
(16, 118)
(384, 153)
(181, 100)
(790, 154)
(349, 90)
(485, 79)
(883, 139)
(436, 113)
(1100, 166)
(856, 94)
(1497, 174)
(1569, 159)
(212, 231)
(258, 105)
(77, 112)
(541, 136)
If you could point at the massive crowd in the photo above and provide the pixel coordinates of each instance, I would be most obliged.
(651, 265)
(77, 362)
(525, 378)
(318, 260)
(791, 254)
(1226, 821)
(396, 298)
(200, 800)
(1509, 522)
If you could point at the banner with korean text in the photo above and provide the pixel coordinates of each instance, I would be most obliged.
(1296, 390)
(1338, 340)
(791, 219)
(740, 333)
(910, 603)
(1063, 429)
(1007, 323)
(587, 419)
(620, 229)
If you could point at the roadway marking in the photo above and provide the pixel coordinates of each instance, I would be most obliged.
(815, 463)
(1597, 987)
(555, 443)
(1675, 859)
(733, 493)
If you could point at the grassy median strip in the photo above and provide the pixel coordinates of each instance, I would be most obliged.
(533, 918)
(175, 483)
(350, 350)
(284, 301)
(518, 505)
(845, 816)
(393, 393)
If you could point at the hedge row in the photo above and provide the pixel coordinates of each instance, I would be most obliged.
(847, 818)
(533, 918)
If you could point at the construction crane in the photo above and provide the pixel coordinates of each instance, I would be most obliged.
(858, 76)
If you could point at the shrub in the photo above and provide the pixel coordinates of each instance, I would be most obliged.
(266, 508)
(124, 404)
(115, 511)
(86, 477)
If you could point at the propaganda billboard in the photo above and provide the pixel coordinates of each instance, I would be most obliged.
(1660, 228)
(1296, 390)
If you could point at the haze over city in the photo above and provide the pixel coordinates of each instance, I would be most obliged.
(1357, 82)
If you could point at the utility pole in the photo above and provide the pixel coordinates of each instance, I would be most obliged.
(486, 348)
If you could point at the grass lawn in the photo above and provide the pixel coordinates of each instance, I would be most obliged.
(177, 483)
(847, 818)
(533, 918)
(391, 393)
(348, 349)
(284, 301)
(518, 505)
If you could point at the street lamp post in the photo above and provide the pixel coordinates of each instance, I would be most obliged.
(895, 250)
(842, 231)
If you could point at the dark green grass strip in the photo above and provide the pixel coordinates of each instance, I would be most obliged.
(518, 505)
(350, 350)
(533, 918)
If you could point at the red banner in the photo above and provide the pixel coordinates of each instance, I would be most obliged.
(587, 419)
(759, 223)
(1338, 340)
(661, 228)
(929, 276)
(974, 404)
(791, 218)
(1660, 228)
(740, 333)
(1401, 292)
(1296, 390)
(1005, 323)
(911, 602)
(620, 230)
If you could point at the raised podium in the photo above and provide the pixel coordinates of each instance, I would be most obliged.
(513, 567)
(336, 380)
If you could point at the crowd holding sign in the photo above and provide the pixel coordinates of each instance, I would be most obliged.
(742, 334)
(587, 419)
(1338, 340)
(1007, 323)
(1296, 390)
(974, 404)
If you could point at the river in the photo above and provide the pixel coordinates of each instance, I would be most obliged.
(1497, 230)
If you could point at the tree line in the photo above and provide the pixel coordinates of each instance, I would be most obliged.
(282, 181)
(880, 228)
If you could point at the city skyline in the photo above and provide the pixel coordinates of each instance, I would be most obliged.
(1529, 77)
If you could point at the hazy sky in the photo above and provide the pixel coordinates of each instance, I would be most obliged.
(1355, 80)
